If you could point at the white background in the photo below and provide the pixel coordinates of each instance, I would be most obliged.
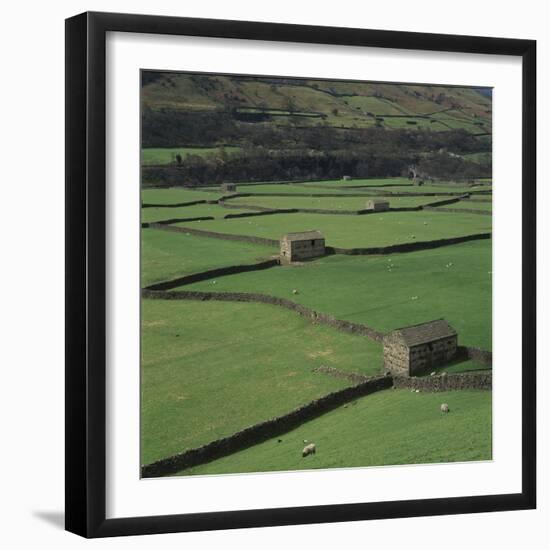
(31, 304)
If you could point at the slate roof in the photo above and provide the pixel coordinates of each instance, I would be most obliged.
(425, 332)
(379, 201)
(303, 236)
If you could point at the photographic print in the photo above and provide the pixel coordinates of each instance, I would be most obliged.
(316, 274)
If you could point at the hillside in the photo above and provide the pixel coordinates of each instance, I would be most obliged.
(285, 102)
(200, 129)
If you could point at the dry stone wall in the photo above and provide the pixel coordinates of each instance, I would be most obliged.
(408, 247)
(216, 235)
(312, 315)
(264, 430)
(176, 205)
(442, 382)
(461, 210)
(212, 273)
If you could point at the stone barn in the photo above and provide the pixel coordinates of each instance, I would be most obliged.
(229, 187)
(410, 350)
(346, 178)
(302, 246)
(378, 205)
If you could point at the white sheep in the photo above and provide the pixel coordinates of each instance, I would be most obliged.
(444, 408)
(308, 450)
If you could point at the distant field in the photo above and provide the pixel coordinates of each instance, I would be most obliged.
(196, 211)
(210, 369)
(166, 255)
(375, 105)
(388, 427)
(329, 203)
(479, 157)
(437, 188)
(419, 288)
(356, 231)
(401, 122)
(472, 205)
(167, 155)
(355, 182)
(175, 195)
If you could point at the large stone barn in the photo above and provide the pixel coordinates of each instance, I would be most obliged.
(229, 187)
(302, 246)
(378, 205)
(410, 350)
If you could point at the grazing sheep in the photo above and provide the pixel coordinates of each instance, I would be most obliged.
(308, 450)
(294, 291)
(444, 408)
(432, 373)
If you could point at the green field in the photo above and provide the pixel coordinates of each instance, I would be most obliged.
(375, 105)
(473, 205)
(388, 427)
(358, 183)
(177, 195)
(419, 288)
(355, 231)
(210, 369)
(151, 156)
(196, 211)
(168, 255)
(331, 203)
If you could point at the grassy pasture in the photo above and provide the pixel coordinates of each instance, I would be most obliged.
(375, 105)
(356, 231)
(434, 188)
(176, 195)
(392, 426)
(196, 211)
(166, 155)
(371, 182)
(420, 287)
(488, 206)
(210, 369)
(412, 123)
(167, 255)
(332, 203)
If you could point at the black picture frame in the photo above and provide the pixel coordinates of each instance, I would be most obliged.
(86, 268)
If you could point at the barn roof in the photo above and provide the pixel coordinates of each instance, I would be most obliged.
(425, 332)
(303, 236)
(379, 201)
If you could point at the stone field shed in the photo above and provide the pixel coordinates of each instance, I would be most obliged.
(229, 187)
(302, 246)
(378, 205)
(410, 350)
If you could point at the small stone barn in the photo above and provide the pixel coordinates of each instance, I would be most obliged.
(229, 187)
(378, 205)
(410, 350)
(302, 246)
(346, 178)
